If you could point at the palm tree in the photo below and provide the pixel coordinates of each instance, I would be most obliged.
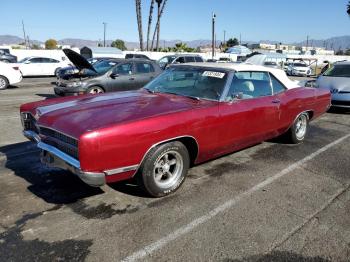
(157, 29)
(348, 10)
(139, 22)
(149, 23)
(159, 2)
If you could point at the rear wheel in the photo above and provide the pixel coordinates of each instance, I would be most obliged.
(95, 90)
(164, 169)
(3, 82)
(296, 134)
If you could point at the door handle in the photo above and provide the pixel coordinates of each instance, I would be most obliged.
(132, 78)
(276, 101)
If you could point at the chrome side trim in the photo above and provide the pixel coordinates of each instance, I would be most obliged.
(167, 140)
(32, 136)
(120, 170)
(68, 159)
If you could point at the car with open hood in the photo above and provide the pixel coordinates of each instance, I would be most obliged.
(337, 80)
(187, 115)
(106, 75)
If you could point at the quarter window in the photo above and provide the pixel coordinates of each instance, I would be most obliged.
(249, 84)
(277, 86)
(189, 59)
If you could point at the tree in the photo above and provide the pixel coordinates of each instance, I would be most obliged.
(139, 22)
(149, 23)
(35, 46)
(232, 42)
(158, 23)
(348, 8)
(347, 52)
(51, 44)
(119, 44)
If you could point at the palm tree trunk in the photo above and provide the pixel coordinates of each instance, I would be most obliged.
(139, 22)
(158, 23)
(149, 23)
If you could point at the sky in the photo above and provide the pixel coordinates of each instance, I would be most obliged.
(283, 20)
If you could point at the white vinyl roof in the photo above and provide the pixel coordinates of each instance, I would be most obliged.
(278, 73)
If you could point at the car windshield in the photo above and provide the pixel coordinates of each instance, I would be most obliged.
(193, 82)
(103, 66)
(23, 60)
(299, 65)
(338, 71)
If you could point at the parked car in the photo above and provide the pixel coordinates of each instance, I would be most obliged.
(272, 64)
(130, 56)
(107, 75)
(299, 69)
(7, 57)
(337, 80)
(39, 66)
(8, 76)
(187, 115)
(178, 59)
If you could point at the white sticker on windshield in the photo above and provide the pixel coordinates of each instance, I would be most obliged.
(213, 74)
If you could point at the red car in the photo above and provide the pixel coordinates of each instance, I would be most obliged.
(187, 115)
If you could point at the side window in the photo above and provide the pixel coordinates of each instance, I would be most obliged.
(54, 61)
(35, 60)
(180, 60)
(198, 59)
(249, 84)
(189, 59)
(144, 68)
(46, 60)
(277, 86)
(124, 69)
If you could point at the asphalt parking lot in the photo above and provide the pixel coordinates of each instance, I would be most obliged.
(270, 202)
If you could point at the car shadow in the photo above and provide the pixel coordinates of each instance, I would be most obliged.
(129, 187)
(47, 96)
(54, 186)
(338, 110)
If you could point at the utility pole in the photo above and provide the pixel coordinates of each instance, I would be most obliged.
(24, 34)
(224, 36)
(213, 35)
(240, 39)
(104, 33)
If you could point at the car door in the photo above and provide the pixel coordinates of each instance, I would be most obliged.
(121, 78)
(48, 66)
(31, 67)
(250, 111)
(144, 72)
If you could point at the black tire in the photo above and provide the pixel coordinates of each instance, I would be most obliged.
(4, 83)
(149, 177)
(298, 131)
(95, 90)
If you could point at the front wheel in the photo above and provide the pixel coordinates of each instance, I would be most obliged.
(164, 169)
(296, 134)
(95, 90)
(3, 82)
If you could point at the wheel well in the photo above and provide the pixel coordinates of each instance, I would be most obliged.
(5, 78)
(310, 114)
(192, 147)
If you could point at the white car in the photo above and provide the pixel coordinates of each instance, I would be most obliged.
(39, 66)
(299, 69)
(8, 75)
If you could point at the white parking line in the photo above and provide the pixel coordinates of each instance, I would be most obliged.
(149, 249)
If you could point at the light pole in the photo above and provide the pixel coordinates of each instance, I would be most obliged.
(224, 36)
(104, 33)
(213, 35)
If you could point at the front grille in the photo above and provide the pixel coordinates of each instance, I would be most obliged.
(340, 103)
(61, 141)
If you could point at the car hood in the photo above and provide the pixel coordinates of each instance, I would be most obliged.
(340, 83)
(79, 61)
(91, 112)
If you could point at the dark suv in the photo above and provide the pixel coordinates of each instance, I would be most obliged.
(6, 57)
(178, 59)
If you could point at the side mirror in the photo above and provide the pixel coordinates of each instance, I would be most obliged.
(114, 75)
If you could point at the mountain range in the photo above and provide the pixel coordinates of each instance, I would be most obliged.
(335, 43)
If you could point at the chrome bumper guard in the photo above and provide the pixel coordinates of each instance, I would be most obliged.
(54, 157)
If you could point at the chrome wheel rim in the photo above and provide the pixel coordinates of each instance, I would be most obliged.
(168, 169)
(2, 83)
(96, 91)
(300, 126)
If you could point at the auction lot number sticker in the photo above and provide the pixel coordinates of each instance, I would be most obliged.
(213, 74)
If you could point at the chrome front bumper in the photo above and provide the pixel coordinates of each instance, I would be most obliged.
(53, 157)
